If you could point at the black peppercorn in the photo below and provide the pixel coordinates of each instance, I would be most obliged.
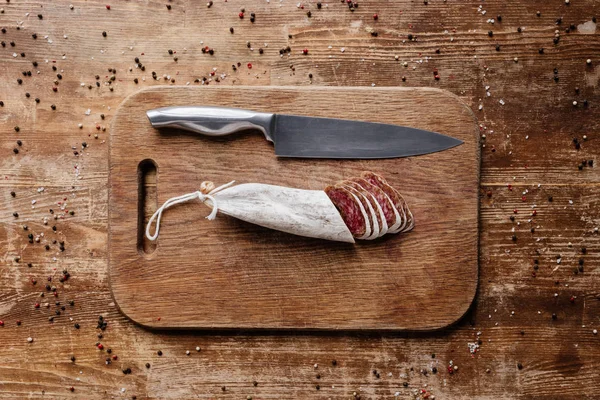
(19, 81)
(499, 18)
(490, 33)
(104, 33)
(159, 353)
(519, 365)
(319, 5)
(497, 47)
(261, 51)
(541, 50)
(554, 316)
(519, 29)
(231, 29)
(40, 16)
(76, 326)
(168, 6)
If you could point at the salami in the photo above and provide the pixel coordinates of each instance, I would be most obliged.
(379, 225)
(351, 209)
(365, 207)
(396, 198)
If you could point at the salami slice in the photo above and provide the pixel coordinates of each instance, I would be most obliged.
(380, 226)
(386, 208)
(396, 198)
(351, 209)
(368, 206)
(371, 217)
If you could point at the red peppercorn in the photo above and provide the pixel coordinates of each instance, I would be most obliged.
(489, 193)
(534, 213)
(115, 357)
(100, 346)
(249, 65)
(523, 198)
(1, 323)
(375, 17)
(305, 51)
(37, 305)
(55, 89)
(516, 211)
(509, 187)
(72, 389)
(108, 6)
(436, 77)
(572, 299)
(241, 15)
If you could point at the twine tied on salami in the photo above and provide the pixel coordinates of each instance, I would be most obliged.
(365, 207)
(206, 192)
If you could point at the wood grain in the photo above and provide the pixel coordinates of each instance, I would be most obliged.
(528, 142)
(244, 276)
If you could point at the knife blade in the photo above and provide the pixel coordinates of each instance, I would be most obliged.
(307, 137)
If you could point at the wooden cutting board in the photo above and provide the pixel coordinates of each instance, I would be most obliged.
(230, 274)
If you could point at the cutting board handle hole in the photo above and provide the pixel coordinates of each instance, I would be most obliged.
(147, 203)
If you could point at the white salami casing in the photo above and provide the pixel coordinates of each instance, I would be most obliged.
(300, 212)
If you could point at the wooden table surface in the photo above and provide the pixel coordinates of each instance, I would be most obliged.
(531, 331)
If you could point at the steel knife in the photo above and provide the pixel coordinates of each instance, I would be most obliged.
(307, 137)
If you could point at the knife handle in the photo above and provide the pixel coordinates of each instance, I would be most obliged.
(212, 121)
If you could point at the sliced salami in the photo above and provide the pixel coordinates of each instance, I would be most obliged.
(380, 226)
(367, 203)
(391, 215)
(351, 209)
(371, 216)
(396, 198)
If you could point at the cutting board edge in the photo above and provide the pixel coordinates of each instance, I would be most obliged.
(473, 288)
(156, 326)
